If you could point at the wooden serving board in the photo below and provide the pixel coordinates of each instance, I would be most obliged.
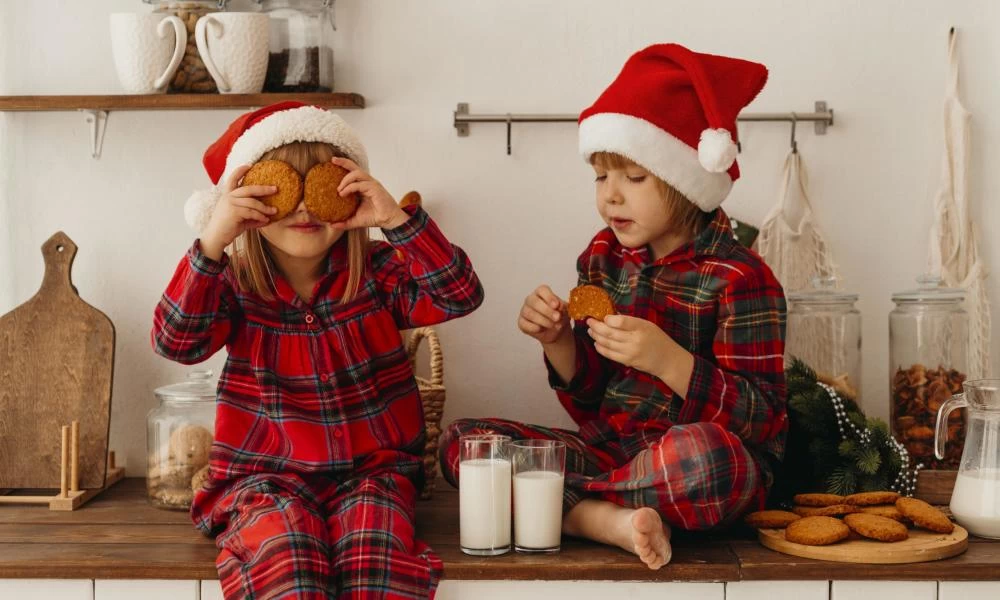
(56, 362)
(922, 546)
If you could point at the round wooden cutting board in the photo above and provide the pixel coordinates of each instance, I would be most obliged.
(922, 546)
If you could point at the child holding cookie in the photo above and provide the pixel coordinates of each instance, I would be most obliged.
(680, 395)
(319, 430)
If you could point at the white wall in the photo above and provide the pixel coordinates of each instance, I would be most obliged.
(523, 219)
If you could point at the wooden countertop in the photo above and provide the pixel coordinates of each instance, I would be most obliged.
(119, 536)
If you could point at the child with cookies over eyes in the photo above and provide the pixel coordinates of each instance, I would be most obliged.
(680, 395)
(319, 433)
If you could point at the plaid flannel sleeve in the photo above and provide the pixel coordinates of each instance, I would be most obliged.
(582, 396)
(192, 320)
(744, 390)
(424, 278)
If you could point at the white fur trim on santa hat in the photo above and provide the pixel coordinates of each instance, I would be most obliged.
(662, 154)
(199, 206)
(303, 124)
(716, 150)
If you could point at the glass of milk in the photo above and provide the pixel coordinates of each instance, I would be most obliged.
(484, 494)
(539, 471)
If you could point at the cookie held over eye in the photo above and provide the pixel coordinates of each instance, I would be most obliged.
(323, 201)
(590, 301)
(281, 175)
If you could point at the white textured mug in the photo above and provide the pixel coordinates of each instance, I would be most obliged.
(146, 51)
(234, 48)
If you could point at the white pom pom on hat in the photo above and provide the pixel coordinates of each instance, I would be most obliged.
(716, 150)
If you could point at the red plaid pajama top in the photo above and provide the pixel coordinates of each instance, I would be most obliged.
(715, 298)
(325, 387)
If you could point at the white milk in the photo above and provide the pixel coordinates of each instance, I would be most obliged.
(538, 500)
(484, 504)
(976, 502)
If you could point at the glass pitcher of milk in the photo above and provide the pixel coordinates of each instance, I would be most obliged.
(975, 502)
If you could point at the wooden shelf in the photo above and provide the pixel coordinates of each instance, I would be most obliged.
(174, 101)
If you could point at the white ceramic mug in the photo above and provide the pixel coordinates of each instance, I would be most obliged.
(234, 48)
(146, 51)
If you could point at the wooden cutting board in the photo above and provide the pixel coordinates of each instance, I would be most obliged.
(922, 546)
(56, 362)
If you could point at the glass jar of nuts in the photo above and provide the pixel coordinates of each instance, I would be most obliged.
(191, 77)
(179, 434)
(928, 336)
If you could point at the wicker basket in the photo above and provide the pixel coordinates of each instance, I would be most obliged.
(432, 396)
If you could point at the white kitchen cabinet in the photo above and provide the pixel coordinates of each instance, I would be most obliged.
(63, 589)
(145, 589)
(578, 590)
(969, 590)
(778, 590)
(883, 590)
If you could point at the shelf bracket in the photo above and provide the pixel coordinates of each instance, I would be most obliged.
(98, 120)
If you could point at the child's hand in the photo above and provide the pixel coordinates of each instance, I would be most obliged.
(238, 210)
(377, 209)
(632, 342)
(544, 316)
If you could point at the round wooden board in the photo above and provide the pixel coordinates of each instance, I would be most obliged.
(921, 546)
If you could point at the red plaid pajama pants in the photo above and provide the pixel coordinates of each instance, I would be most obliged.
(697, 476)
(285, 537)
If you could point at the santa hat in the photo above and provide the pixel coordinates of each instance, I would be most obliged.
(252, 135)
(673, 111)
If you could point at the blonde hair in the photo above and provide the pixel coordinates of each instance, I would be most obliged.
(251, 256)
(684, 214)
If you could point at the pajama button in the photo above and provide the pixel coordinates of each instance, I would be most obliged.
(324, 378)
(310, 319)
(337, 433)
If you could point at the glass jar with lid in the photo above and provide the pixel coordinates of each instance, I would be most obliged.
(928, 337)
(824, 331)
(301, 40)
(179, 434)
(191, 77)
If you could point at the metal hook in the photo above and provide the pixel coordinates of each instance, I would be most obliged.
(795, 145)
(509, 120)
(98, 120)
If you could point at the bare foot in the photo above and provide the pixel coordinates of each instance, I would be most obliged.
(639, 531)
(650, 538)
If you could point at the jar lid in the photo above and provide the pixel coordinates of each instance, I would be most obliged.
(199, 386)
(824, 292)
(931, 289)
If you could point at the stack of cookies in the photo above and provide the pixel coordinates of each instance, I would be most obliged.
(823, 519)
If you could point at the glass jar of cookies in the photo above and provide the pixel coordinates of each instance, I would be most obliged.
(192, 76)
(301, 40)
(824, 331)
(179, 435)
(928, 336)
